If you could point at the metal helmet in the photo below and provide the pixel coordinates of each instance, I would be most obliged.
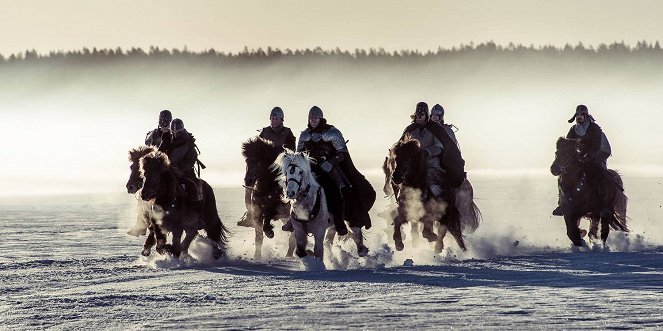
(176, 126)
(315, 112)
(437, 110)
(164, 118)
(421, 109)
(276, 112)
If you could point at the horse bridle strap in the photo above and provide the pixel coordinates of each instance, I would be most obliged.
(314, 211)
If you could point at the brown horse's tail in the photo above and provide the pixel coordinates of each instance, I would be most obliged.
(621, 202)
(215, 229)
(470, 216)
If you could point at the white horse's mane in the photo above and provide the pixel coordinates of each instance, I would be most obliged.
(300, 160)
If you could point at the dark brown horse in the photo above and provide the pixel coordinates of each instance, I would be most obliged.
(167, 209)
(267, 201)
(406, 176)
(591, 192)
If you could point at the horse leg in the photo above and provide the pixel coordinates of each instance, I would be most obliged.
(594, 228)
(176, 247)
(319, 237)
(150, 241)
(257, 255)
(398, 238)
(267, 227)
(301, 238)
(291, 245)
(439, 244)
(415, 230)
(606, 220)
(572, 229)
(188, 238)
(455, 231)
(160, 238)
(358, 237)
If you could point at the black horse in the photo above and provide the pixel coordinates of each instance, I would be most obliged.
(145, 217)
(169, 209)
(406, 169)
(266, 194)
(591, 192)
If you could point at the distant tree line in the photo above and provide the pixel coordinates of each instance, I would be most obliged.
(617, 50)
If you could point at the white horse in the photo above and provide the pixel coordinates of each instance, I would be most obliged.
(308, 212)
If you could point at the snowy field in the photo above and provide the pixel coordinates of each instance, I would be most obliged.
(66, 262)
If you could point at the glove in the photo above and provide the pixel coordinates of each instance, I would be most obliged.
(326, 166)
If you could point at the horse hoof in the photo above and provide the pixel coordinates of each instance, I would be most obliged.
(269, 233)
(145, 252)
(300, 253)
(429, 235)
(583, 233)
(399, 246)
(362, 251)
(216, 253)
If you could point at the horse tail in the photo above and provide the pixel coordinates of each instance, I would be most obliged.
(470, 215)
(216, 230)
(621, 202)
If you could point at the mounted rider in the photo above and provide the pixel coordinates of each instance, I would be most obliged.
(443, 155)
(437, 116)
(161, 136)
(183, 156)
(279, 135)
(349, 195)
(593, 154)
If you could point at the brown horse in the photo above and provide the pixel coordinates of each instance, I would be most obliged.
(165, 208)
(267, 202)
(591, 192)
(405, 176)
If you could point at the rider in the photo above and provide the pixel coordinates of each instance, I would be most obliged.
(349, 195)
(444, 158)
(595, 153)
(437, 116)
(161, 136)
(183, 157)
(280, 136)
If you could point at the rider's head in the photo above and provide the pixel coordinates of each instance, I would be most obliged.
(421, 113)
(177, 128)
(164, 120)
(314, 116)
(437, 114)
(276, 117)
(581, 115)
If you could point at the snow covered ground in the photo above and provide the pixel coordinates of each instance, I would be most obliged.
(67, 263)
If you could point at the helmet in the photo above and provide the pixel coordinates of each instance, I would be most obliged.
(176, 126)
(437, 110)
(164, 118)
(421, 109)
(276, 112)
(315, 112)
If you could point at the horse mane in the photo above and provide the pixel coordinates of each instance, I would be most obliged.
(136, 153)
(259, 148)
(299, 159)
(153, 159)
(407, 146)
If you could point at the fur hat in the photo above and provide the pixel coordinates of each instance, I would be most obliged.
(581, 109)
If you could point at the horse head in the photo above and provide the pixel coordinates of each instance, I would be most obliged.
(566, 156)
(296, 172)
(135, 182)
(259, 154)
(409, 161)
(152, 168)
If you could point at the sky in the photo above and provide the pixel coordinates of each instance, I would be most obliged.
(45, 25)
(92, 105)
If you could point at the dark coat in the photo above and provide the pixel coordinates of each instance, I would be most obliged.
(451, 160)
(282, 137)
(160, 139)
(360, 199)
(591, 141)
(183, 155)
